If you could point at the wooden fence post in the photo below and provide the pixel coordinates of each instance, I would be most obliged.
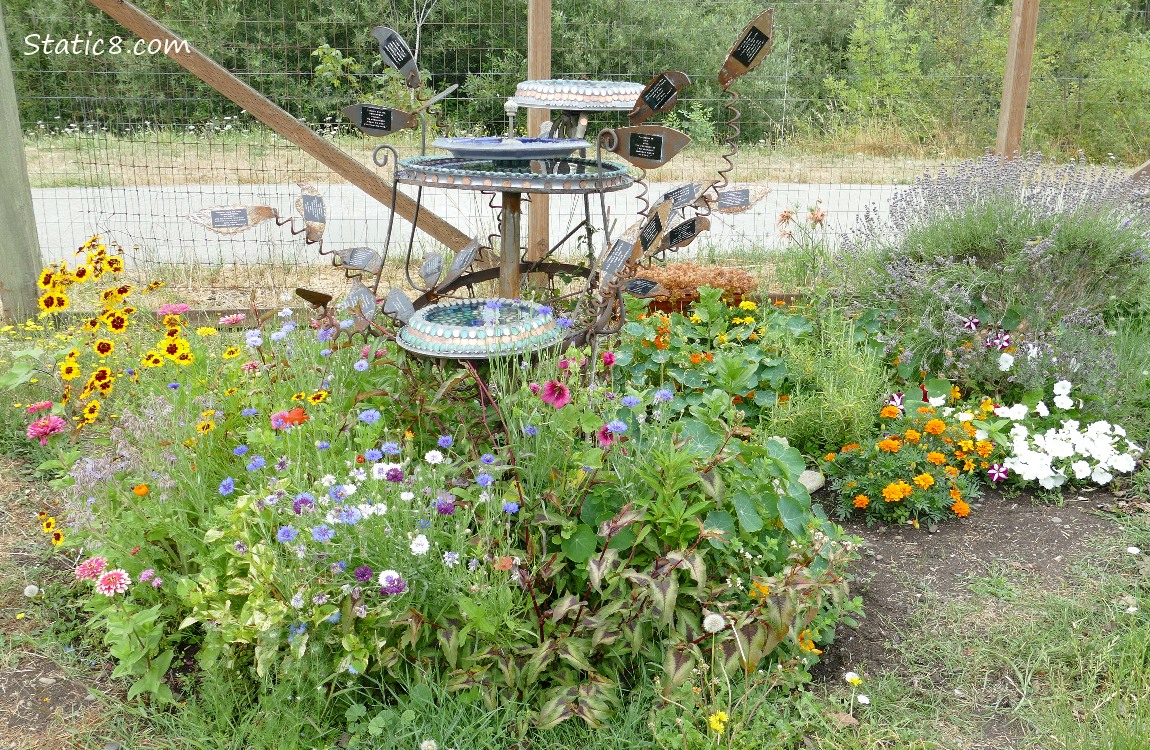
(538, 67)
(20, 261)
(1016, 79)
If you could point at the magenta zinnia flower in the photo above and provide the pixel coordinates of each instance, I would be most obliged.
(115, 581)
(39, 406)
(45, 427)
(90, 569)
(233, 319)
(555, 394)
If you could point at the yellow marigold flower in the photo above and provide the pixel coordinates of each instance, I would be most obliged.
(913, 436)
(966, 445)
(951, 471)
(890, 445)
(206, 331)
(829, 457)
(748, 305)
(890, 411)
(896, 491)
(968, 465)
(231, 352)
(936, 458)
(924, 481)
(861, 501)
(934, 427)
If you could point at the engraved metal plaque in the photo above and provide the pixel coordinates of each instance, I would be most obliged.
(375, 120)
(361, 259)
(398, 306)
(660, 95)
(311, 205)
(738, 200)
(651, 233)
(648, 146)
(362, 299)
(397, 54)
(431, 269)
(312, 297)
(232, 219)
(616, 258)
(753, 45)
(644, 288)
(684, 233)
(461, 262)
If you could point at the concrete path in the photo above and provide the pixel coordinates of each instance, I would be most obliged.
(151, 221)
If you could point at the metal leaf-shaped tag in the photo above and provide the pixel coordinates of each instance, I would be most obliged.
(651, 233)
(647, 146)
(462, 261)
(397, 54)
(753, 45)
(615, 258)
(738, 200)
(644, 288)
(232, 219)
(684, 233)
(660, 95)
(311, 205)
(312, 297)
(431, 269)
(398, 306)
(361, 259)
(361, 298)
(375, 120)
(685, 195)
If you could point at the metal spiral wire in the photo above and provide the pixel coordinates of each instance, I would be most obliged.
(733, 132)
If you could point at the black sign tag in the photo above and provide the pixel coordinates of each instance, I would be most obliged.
(640, 287)
(682, 233)
(616, 258)
(376, 118)
(396, 51)
(650, 233)
(229, 218)
(645, 146)
(735, 198)
(681, 196)
(313, 209)
(659, 94)
(750, 46)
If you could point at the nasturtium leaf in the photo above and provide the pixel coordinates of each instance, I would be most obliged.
(1011, 319)
(581, 544)
(723, 521)
(749, 518)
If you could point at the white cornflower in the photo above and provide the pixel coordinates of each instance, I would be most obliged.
(420, 545)
(433, 457)
(407, 497)
(327, 480)
(713, 623)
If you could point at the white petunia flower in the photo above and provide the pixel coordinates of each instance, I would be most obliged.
(1063, 402)
(965, 416)
(1081, 469)
(1101, 476)
(1123, 463)
(1041, 410)
(1062, 388)
(1005, 361)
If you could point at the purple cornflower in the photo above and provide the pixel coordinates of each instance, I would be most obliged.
(615, 426)
(228, 486)
(240, 548)
(485, 480)
(302, 501)
(394, 474)
(630, 401)
(322, 534)
(373, 454)
(325, 352)
(363, 574)
(286, 534)
(282, 463)
(173, 386)
(258, 462)
(361, 365)
(445, 506)
(251, 411)
(663, 394)
(510, 507)
(564, 322)
(390, 449)
(445, 441)
(322, 445)
(487, 458)
(369, 416)
(240, 450)
(391, 582)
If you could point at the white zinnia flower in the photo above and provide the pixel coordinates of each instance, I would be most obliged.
(713, 623)
(1062, 388)
(420, 545)
(433, 457)
(1005, 361)
(31, 590)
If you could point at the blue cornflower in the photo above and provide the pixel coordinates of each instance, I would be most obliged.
(253, 338)
(369, 416)
(337, 492)
(322, 445)
(373, 454)
(487, 458)
(630, 401)
(251, 411)
(298, 628)
(288, 327)
(445, 441)
(391, 449)
(510, 507)
(325, 352)
(349, 515)
(342, 565)
(258, 462)
(173, 386)
(564, 322)
(616, 426)
(361, 365)
(530, 431)
(322, 534)
(663, 394)
(484, 480)
(278, 336)
(325, 334)
(345, 324)
(544, 310)
(422, 523)
(240, 450)
(333, 618)
(286, 534)
(228, 486)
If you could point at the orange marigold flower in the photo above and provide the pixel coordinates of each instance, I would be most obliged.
(861, 501)
(968, 465)
(936, 458)
(924, 481)
(889, 444)
(696, 358)
(140, 490)
(951, 471)
(913, 436)
(890, 411)
(984, 448)
(961, 509)
(850, 447)
(896, 491)
(935, 427)
(926, 410)
(955, 493)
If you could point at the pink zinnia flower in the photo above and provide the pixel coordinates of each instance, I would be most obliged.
(90, 569)
(233, 319)
(250, 367)
(39, 406)
(609, 358)
(555, 394)
(176, 308)
(115, 581)
(605, 437)
(565, 364)
(534, 388)
(157, 582)
(45, 427)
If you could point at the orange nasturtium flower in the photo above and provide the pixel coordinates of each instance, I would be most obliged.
(140, 490)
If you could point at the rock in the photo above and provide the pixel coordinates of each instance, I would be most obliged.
(1055, 519)
(46, 680)
(812, 480)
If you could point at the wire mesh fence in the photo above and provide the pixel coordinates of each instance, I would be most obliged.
(856, 97)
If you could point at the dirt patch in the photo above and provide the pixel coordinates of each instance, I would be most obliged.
(1018, 537)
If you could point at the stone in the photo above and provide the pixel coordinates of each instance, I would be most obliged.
(812, 480)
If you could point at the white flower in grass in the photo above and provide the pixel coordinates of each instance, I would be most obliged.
(327, 480)
(1063, 402)
(1134, 550)
(713, 623)
(1062, 388)
(863, 699)
(1041, 409)
(1005, 361)
(420, 545)
(31, 590)
(1081, 469)
(853, 678)
(407, 497)
(429, 745)
(433, 457)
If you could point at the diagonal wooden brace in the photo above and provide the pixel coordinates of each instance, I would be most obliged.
(279, 120)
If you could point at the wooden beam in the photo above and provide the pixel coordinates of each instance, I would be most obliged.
(1016, 79)
(279, 120)
(538, 67)
(19, 247)
(1144, 170)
